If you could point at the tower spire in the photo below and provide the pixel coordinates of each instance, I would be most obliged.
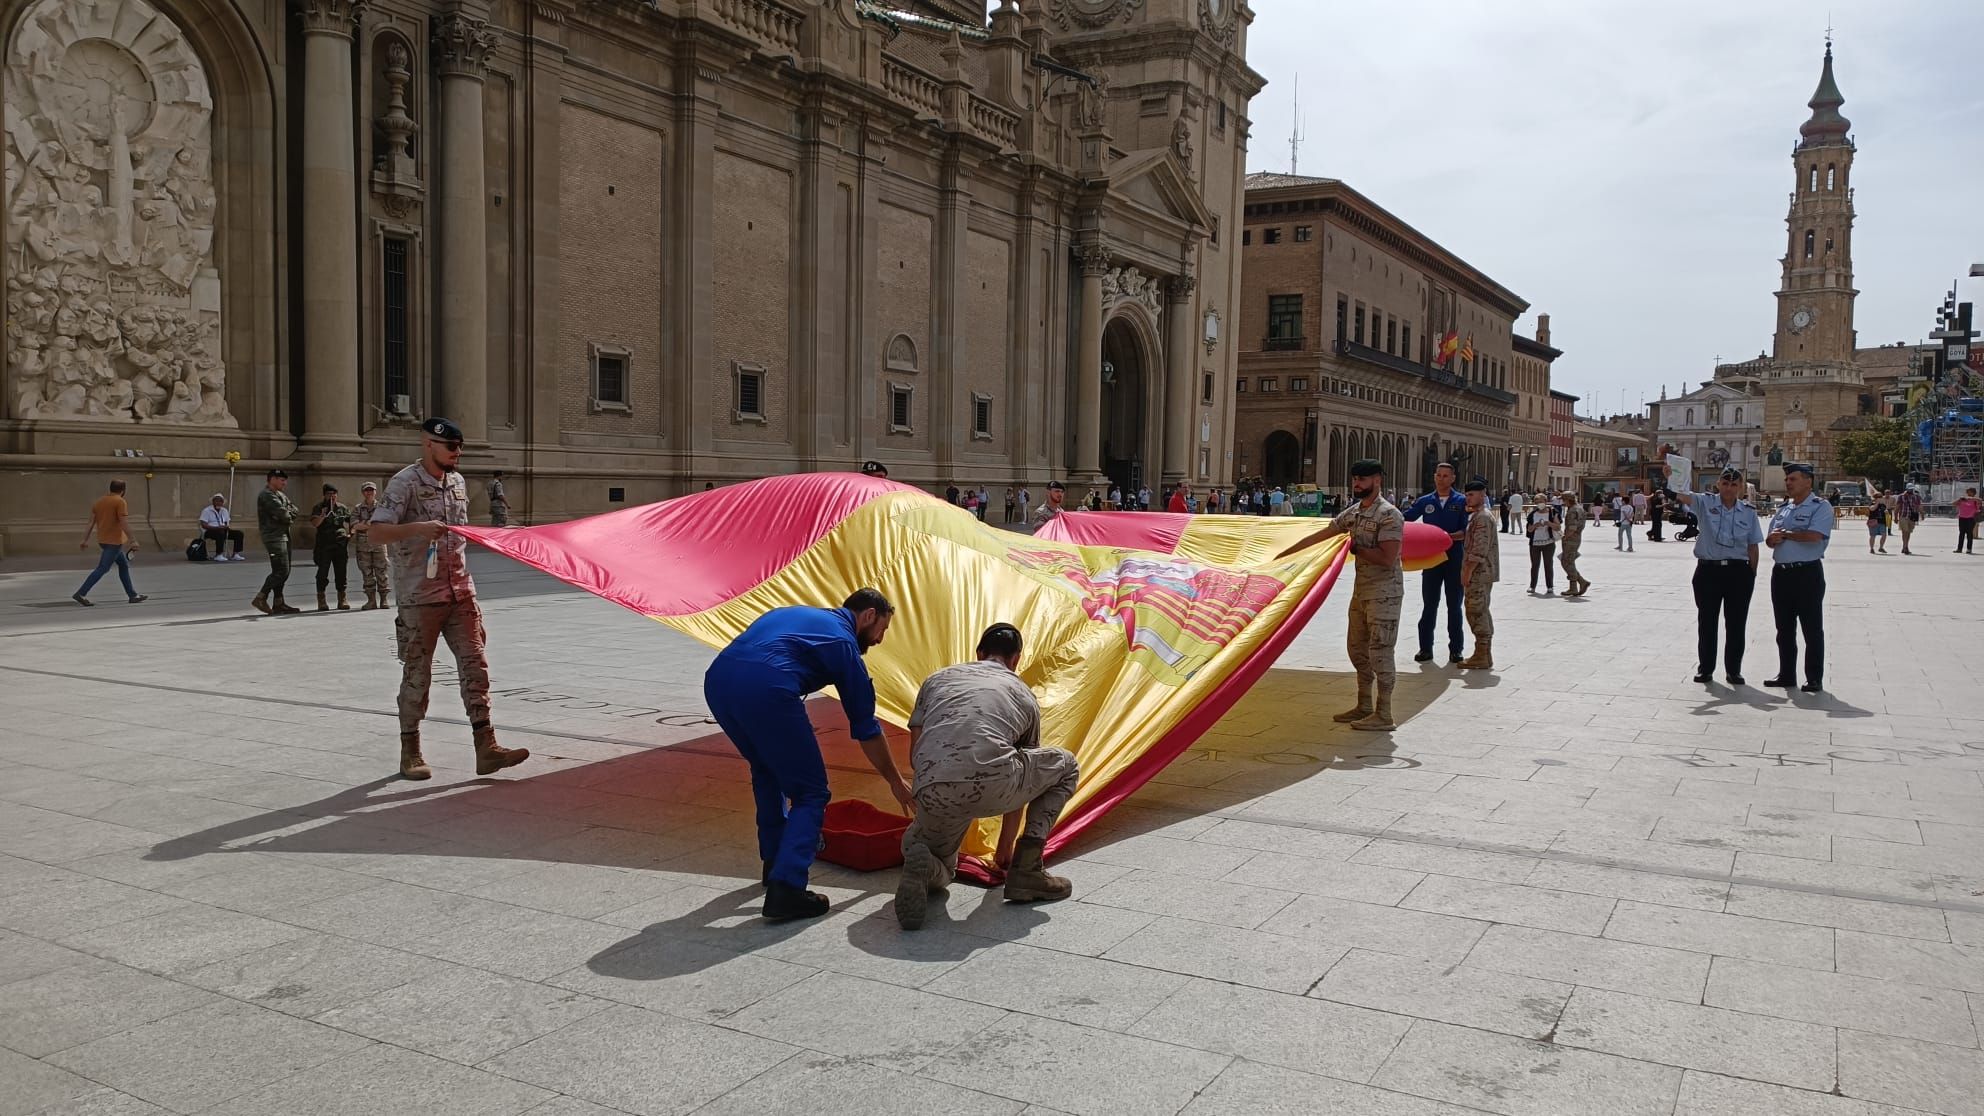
(1826, 124)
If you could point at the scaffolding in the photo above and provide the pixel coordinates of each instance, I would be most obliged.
(1946, 436)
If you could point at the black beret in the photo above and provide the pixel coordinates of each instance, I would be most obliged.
(444, 429)
(1476, 486)
(330, 488)
(1368, 467)
(273, 473)
(874, 469)
(1057, 486)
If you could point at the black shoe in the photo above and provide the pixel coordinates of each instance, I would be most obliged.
(1453, 658)
(82, 600)
(140, 599)
(1811, 687)
(1423, 657)
(784, 901)
(1734, 679)
(1705, 677)
(1781, 683)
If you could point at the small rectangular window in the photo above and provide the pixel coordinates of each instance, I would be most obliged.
(1284, 322)
(1246, 237)
(750, 392)
(1304, 233)
(1298, 383)
(1391, 336)
(1271, 236)
(1205, 463)
(1205, 393)
(1270, 383)
(394, 278)
(610, 389)
(900, 398)
(1240, 386)
(981, 416)
(1405, 341)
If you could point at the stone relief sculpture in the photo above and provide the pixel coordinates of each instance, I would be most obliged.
(1127, 284)
(113, 299)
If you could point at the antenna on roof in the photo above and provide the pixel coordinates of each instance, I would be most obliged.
(1296, 132)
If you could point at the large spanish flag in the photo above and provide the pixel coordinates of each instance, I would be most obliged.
(1142, 629)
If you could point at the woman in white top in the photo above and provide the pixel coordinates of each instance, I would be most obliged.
(1542, 531)
(1622, 517)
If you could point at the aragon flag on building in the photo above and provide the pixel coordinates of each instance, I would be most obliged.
(1141, 629)
(1467, 348)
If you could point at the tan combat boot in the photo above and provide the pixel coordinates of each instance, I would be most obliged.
(491, 757)
(920, 873)
(261, 603)
(322, 605)
(412, 766)
(371, 601)
(343, 604)
(1027, 880)
(1359, 711)
(280, 605)
(1483, 657)
(1380, 719)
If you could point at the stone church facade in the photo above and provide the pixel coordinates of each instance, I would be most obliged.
(631, 246)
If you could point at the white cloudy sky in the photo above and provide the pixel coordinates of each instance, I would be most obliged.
(1624, 166)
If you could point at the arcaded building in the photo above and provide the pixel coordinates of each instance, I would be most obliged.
(632, 247)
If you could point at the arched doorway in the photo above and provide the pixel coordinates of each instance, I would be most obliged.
(1281, 458)
(1124, 380)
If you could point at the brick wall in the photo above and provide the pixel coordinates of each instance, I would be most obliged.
(751, 294)
(610, 266)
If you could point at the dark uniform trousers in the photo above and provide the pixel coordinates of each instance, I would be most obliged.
(1439, 581)
(1797, 600)
(1722, 586)
(331, 558)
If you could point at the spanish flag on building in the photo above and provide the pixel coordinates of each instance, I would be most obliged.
(1445, 354)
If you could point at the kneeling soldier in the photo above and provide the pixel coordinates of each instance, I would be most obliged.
(975, 753)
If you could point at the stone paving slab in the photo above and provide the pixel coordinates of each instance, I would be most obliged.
(1579, 884)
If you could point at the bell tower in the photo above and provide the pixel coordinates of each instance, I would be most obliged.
(1815, 300)
(1813, 382)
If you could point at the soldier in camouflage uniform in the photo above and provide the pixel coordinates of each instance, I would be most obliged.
(371, 556)
(331, 519)
(1377, 531)
(436, 595)
(1574, 520)
(274, 515)
(1480, 568)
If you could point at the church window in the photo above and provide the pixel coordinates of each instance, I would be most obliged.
(1271, 236)
(609, 378)
(981, 416)
(1829, 174)
(901, 396)
(395, 277)
(1813, 186)
(1811, 242)
(749, 392)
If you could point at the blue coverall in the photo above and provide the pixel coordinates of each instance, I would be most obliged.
(757, 688)
(1448, 515)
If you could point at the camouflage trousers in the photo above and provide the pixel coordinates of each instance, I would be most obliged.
(419, 628)
(371, 567)
(1040, 779)
(278, 548)
(1373, 638)
(1475, 600)
(1568, 557)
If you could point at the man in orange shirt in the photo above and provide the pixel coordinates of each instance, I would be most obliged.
(110, 522)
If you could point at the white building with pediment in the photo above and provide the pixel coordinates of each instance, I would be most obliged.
(1715, 426)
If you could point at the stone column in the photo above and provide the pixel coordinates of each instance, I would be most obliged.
(1180, 396)
(461, 56)
(1087, 466)
(329, 345)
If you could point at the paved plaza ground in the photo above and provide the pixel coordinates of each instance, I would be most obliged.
(1581, 884)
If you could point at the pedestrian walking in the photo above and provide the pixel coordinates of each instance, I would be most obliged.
(1656, 515)
(499, 501)
(1377, 531)
(275, 514)
(110, 522)
(1542, 533)
(217, 527)
(436, 596)
(756, 689)
(1575, 518)
(975, 753)
(1877, 524)
(1517, 520)
(371, 554)
(1622, 518)
(1907, 513)
(1480, 569)
(1446, 509)
(1966, 521)
(1799, 534)
(330, 549)
(1725, 572)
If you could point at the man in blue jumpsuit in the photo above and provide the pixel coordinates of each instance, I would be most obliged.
(757, 691)
(1446, 509)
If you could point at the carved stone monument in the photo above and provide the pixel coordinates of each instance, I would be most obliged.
(113, 299)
